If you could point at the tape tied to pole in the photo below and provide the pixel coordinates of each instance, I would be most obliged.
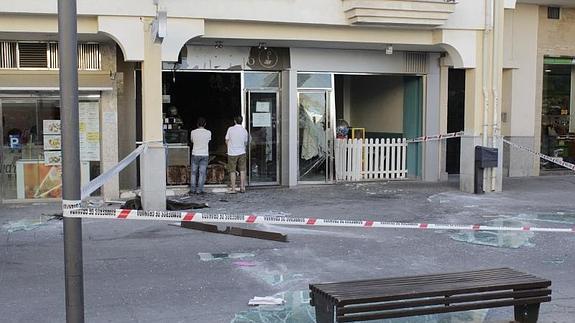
(70, 205)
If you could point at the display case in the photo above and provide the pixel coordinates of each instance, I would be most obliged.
(178, 164)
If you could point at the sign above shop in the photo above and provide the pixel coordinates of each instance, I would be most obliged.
(269, 58)
(233, 58)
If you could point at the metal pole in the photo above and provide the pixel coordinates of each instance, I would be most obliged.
(68, 56)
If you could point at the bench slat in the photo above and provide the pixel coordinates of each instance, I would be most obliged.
(441, 301)
(423, 281)
(462, 289)
(446, 284)
(379, 285)
(442, 309)
(346, 287)
(476, 273)
(382, 289)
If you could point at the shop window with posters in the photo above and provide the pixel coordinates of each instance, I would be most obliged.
(557, 119)
(31, 145)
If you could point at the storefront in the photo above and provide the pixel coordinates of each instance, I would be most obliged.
(376, 95)
(218, 83)
(31, 143)
(558, 111)
(218, 96)
(31, 150)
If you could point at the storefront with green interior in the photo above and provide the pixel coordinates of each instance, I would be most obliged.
(558, 110)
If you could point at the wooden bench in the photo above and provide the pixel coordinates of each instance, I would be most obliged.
(373, 299)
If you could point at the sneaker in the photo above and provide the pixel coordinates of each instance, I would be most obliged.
(201, 193)
(231, 192)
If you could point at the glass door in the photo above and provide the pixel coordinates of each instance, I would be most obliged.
(263, 128)
(315, 137)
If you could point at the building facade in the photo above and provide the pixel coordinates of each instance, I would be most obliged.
(295, 70)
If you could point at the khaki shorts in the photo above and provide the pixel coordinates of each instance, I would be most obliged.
(235, 162)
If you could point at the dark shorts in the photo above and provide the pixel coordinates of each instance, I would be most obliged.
(237, 163)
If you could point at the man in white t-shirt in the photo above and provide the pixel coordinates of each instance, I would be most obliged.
(237, 140)
(200, 138)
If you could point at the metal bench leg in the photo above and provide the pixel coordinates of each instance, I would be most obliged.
(527, 313)
(324, 311)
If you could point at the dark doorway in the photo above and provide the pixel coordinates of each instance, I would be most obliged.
(214, 96)
(455, 118)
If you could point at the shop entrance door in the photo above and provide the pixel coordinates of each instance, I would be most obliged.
(263, 128)
(316, 164)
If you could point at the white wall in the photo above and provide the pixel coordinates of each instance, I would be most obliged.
(522, 53)
(85, 7)
(468, 14)
(377, 103)
(346, 61)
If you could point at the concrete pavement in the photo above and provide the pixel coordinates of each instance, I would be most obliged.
(152, 272)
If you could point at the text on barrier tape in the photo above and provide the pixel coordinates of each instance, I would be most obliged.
(278, 220)
(436, 137)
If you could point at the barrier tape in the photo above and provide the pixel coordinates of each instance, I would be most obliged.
(542, 156)
(69, 205)
(436, 137)
(124, 214)
(97, 182)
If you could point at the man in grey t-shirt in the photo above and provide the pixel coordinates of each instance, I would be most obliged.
(200, 138)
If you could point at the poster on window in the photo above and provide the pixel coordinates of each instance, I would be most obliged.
(262, 106)
(52, 158)
(51, 127)
(261, 119)
(52, 142)
(89, 131)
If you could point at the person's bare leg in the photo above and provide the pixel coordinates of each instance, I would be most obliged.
(242, 181)
(233, 181)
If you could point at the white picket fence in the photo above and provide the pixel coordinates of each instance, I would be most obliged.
(370, 159)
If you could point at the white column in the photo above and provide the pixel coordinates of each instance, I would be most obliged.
(109, 126)
(293, 130)
(431, 151)
(109, 149)
(443, 112)
(153, 162)
(472, 128)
